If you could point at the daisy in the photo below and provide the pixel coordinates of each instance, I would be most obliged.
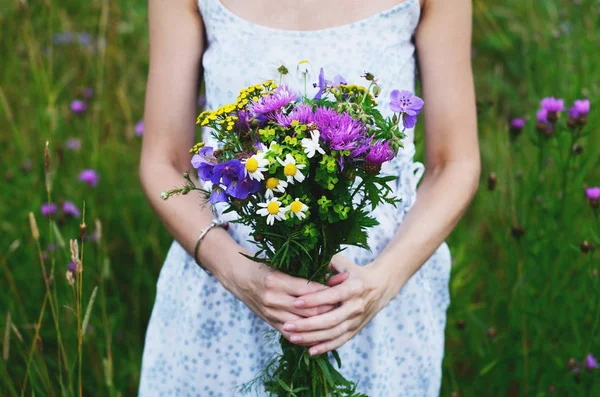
(275, 185)
(311, 146)
(297, 208)
(272, 209)
(256, 165)
(290, 169)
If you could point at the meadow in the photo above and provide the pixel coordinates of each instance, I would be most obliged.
(525, 312)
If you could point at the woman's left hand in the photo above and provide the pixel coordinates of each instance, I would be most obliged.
(361, 291)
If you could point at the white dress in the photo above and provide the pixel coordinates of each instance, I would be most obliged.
(203, 341)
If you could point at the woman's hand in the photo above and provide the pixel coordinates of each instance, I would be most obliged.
(362, 292)
(270, 293)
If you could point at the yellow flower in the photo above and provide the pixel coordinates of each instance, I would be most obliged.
(297, 208)
(291, 169)
(273, 210)
(275, 185)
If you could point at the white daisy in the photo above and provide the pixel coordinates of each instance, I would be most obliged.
(297, 208)
(311, 145)
(304, 70)
(273, 210)
(275, 185)
(290, 169)
(256, 165)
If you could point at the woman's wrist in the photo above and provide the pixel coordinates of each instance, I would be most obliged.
(392, 274)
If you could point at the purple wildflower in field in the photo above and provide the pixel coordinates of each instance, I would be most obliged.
(591, 362)
(582, 106)
(71, 267)
(70, 209)
(229, 172)
(85, 39)
(48, 209)
(339, 131)
(380, 153)
(90, 177)
(218, 195)
(73, 144)
(407, 104)
(302, 113)
(517, 123)
(63, 38)
(243, 188)
(552, 104)
(593, 193)
(542, 116)
(88, 93)
(205, 163)
(279, 97)
(322, 85)
(139, 128)
(78, 106)
(51, 247)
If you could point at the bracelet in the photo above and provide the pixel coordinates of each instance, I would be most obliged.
(203, 232)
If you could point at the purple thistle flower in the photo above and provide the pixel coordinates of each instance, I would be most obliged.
(243, 188)
(542, 116)
(48, 209)
(90, 177)
(582, 106)
(70, 209)
(73, 144)
(78, 106)
(339, 131)
(229, 172)
(590, 362)
(552, 104)
(380, 153)
(218, 195)
(277, 99)
(517, 123)
(302, 113)
(593, 193)
(71, 267)
(408, 104)
(573, 113)
(88, 93)
(139, 128)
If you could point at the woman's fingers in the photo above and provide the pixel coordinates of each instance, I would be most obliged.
(330, 345)
(283, 301)
(314, 337)
(337, 279)
(295, 286)
(327, 320)
(333, 295)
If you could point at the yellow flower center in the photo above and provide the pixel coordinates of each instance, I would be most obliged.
(290, 170)
(273, 208)
(272, 183)
(296, 206)
(252, 164)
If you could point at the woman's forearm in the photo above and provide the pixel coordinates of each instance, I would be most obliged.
(185, 216)
(443, 196)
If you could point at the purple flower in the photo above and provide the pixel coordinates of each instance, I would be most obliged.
(337, 80)
(78, 106)
(88, 93)
(51, 247)
(582, 106)
(590, 362)
(552, 104)
(243, 188)
(70, 209)
(85, 39)
(573, 113)
(542, 116)
(218, 195)
(380, 153)
(90, 177)
(339, 131)
(71, 267)
(278, 98)
(62, 38)
(48, 209)
(322, 85)
(204, 161)
(73, 144)
(229, 172)
(517, 123)
(408, 104)
(139, 128)
(302, 113)
(593, 193)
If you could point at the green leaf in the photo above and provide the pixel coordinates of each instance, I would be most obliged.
(338, 360)
(88, 311)
(488, 367)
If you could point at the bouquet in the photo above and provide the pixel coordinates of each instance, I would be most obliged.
(304, 174)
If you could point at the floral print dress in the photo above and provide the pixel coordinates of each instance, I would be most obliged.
(203, 341)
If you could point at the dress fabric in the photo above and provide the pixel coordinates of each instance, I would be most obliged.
(203, 341)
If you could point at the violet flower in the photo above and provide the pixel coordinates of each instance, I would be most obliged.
(71, 267)
(582, 106)
(590, 362)
(380, 153)
(70, 209)
(542, 116)
(139, 128)
(78, 106)
(89, 177)
(551, 104)
(339, 131)
(243, 188)
(204, 161)
(517, 123)
(73, 144)
(593, 195)
(229, 172)
(302, 113)
(48, 209)
(218, 195)
(278, 98)
(408, 105)
(88, 93)
(322, 85)
(337, 81)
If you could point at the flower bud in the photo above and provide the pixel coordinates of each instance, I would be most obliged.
(577, 149)
(369, 76)
(571, 363)
(586, 247)
(82, 230)
(376, 91)
(492, 181)
(517, 231)
(491, 332)
(460, 324)
(47, 158)
(259, 237)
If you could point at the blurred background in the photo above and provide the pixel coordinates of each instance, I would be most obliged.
(525, 312)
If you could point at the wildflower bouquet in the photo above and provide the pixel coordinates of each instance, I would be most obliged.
(304, 174)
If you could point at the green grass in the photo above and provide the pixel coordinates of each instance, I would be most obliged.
(537, 295)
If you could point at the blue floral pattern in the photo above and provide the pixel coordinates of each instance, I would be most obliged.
(203, 341)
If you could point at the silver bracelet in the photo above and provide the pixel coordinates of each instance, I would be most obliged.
(203, 232)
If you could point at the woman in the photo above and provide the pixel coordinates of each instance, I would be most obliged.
(206, 334)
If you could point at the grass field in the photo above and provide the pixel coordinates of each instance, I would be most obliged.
(525, 310)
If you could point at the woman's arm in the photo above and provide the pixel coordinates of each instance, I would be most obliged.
(451, 179)
(176, 46)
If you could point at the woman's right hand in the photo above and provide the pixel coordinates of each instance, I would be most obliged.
(270, 293)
